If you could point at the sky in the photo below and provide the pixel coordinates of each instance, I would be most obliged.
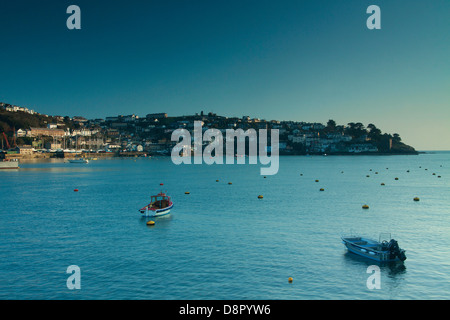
(301, 60)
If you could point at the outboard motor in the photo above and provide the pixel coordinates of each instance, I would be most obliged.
(402, 255)
(395, 251)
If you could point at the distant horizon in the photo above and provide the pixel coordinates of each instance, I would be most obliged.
(309, 60)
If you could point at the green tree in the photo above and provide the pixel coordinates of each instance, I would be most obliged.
(396, 137)
(374, 132)
(331, 125)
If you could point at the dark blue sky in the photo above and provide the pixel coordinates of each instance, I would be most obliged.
(302, 60)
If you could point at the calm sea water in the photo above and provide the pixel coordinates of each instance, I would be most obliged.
(221, 241)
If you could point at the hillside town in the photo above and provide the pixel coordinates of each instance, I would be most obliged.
(27, 132)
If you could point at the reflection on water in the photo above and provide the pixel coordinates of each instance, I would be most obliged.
(59, 169)
(55, 165)
(392, 273)
(42, 161)
(163, 220)
(392, 267)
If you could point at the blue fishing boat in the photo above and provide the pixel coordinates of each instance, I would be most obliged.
(385, 249)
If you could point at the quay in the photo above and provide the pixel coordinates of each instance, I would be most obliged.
(68, 155)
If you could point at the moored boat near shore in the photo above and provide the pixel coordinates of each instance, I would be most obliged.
(9, 164)
(79, 161)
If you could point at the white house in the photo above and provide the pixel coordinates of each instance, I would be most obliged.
(21, 133)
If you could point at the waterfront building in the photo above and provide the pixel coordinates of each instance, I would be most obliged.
(26, 150)
(39, 132)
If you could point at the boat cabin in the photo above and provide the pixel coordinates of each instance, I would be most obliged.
(160, 201)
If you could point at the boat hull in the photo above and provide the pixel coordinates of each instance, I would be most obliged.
(367, 254)
(156, 213)
(79, 161)
(9, 165)
(369, 249)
